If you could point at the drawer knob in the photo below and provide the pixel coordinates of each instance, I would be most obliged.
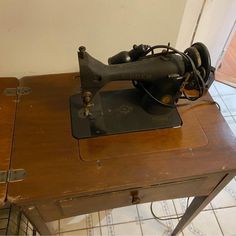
(135, 198)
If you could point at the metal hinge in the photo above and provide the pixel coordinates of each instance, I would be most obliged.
(12, 175)
(17, 91)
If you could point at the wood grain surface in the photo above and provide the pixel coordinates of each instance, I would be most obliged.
(7, 116)
(152, 142)
(45, 148)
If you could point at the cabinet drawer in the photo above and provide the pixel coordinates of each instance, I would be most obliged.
(197, 186)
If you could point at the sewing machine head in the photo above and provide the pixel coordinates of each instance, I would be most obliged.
(164, 76)
(159, 79)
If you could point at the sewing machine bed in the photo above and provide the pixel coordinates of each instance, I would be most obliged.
(116, 112)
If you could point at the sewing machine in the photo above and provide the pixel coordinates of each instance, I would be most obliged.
(159, 80)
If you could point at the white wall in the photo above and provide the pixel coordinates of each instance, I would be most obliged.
(191, 13)
(216, 22)
(215, 26)
(42, 36)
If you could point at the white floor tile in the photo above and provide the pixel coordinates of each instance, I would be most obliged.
(227, 220)
(73, 233)
(224, 89)
(79, 222)
(108, 230)
(94, 232)
(106, 217)
(161, 209)
(83, 232)
(205, 224)
(144, 211)
(119, 215)
(153, 227)
(53, 226)
(181, 204)
(232, 124)
(127, 229)
(212, 90)
(223, 108)
(227, 197)
(229, 101)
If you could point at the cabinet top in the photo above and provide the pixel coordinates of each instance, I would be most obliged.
(58, 165)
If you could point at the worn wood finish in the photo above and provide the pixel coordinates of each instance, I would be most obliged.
(7, 115)
(58, 209)
(43, 145)
(67, 177)
(156, 141)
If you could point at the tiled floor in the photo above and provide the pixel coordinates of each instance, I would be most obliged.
(217, 219)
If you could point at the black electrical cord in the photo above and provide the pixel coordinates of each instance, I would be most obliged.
(210, 102)
(197, 75)
(154, 98)
(213, 103)
(169, 218)
(200, 81)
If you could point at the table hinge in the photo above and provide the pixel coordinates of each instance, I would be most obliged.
(12, 175)
(17, 91)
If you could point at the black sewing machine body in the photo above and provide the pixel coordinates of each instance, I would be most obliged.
(159, 81)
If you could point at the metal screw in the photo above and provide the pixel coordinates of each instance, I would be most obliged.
(82, 49)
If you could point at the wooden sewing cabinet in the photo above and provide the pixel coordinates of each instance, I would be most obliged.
(66, 177)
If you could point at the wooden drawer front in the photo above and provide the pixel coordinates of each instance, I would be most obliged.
(80, 205)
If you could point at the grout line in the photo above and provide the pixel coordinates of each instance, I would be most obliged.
(221, 208)
(227, 95)
(89, 223)
(99, 219)
(134, 221)
(74, 230)
(59, 227)
(139, 219)
(146, 219)
(218, 222)
(211, 206)
(226, 104)
(219, 94)
(95, 227)
(141, 229)
(178, 220)
(234, 118)
(174, 207)
(227, 115)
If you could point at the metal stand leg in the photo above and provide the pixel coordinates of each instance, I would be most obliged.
(35, 218)
(199, 203)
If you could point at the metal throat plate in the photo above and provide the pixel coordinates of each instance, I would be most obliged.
(117, 112)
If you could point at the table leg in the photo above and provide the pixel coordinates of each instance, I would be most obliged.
(199, 203)
(34, 217)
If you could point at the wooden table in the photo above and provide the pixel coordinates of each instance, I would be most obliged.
(66, 177)
(7, 118)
